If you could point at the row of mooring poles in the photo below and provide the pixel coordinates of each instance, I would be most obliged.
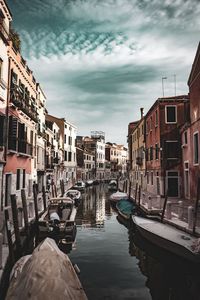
(23, 236)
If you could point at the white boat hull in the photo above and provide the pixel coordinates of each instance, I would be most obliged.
(168, 238)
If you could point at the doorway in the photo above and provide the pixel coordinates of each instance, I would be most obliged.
(173, 184)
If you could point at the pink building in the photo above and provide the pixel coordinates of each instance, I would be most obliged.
(20, 168)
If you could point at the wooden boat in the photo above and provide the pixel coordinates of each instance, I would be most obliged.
(80, 185)
(112, 186)
(125, 208)
(115, 197)
(46, 274)
(74, 195)
(89, 182)
(58, 221)
(169, 238)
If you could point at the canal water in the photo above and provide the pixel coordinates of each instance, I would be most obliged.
(116, 263)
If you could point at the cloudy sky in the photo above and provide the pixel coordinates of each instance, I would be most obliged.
(99, 61)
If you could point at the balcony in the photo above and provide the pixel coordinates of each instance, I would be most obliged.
(139, 161)
(23, 103)
(20, 146)
(4, 33)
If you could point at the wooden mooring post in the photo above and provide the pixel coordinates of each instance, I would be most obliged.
(9, 236)
(136, 190)
(16, 225)
(25, 212)
(44, 198)
(164, 207)
(139, 195)
(35, 203)
(129, 190)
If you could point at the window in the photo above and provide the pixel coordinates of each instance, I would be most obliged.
(69, 156)
(170, 114)
(147, 154)
(65, 139)
(196, 147)
(65, 155)
(2, 118)
(18, 180)
(152, 178)
(69, 140)
(185, 138)
(157, 152)
(24, 179)
(172, 150)
(151, 153)
(156, 118)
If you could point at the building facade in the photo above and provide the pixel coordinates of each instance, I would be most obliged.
(138, 166)
(163, 145)
(5, 19)
(20, 170)
(191, 135)
(67, 138)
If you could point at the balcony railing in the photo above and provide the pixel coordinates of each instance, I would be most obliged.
(4, 32)
(20, 146)
(18, 99)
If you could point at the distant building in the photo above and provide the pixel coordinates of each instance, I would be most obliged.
(96, 144)
(131, 127)
(41, 138)
(138, 166)
(116, 159)
(67, 138)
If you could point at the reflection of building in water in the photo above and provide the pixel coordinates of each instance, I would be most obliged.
(92, 210)
(165, 280)
(100, 209)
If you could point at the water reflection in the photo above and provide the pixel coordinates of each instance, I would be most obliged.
(91, 212)
(101, 251)
(168, 277)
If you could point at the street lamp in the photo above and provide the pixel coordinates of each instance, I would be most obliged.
(163, 78)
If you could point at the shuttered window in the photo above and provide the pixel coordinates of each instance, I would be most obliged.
(12, 130)
(2, 128)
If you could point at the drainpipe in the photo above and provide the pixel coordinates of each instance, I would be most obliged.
(5, 137)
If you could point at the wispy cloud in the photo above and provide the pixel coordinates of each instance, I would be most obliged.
(99, 61)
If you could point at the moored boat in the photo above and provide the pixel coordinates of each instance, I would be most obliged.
(58, 221)
(80, 186)
(169, 238)
(89, 182)
(115, 197)
(46, 274)
(112, 186)
(125, 208)
(74, 195)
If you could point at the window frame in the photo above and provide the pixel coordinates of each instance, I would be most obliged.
(194, 162)
(166, 121)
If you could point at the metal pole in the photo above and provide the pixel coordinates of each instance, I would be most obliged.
(175, 84)
(163, 85)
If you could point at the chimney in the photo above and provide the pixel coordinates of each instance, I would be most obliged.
(142, 112)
